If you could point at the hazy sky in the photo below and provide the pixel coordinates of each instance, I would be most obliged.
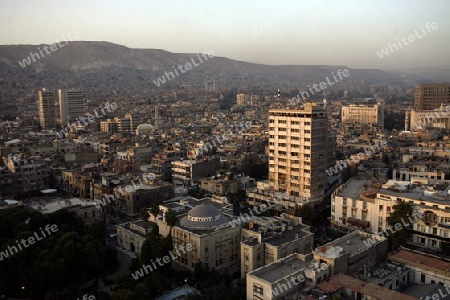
(345, 32)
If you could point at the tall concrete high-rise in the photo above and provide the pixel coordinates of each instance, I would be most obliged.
(47, 101)
(429, 96)
(298, 151)
(71, 105)
(298, 159)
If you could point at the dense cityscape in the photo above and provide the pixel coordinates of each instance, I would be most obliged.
(139, 173)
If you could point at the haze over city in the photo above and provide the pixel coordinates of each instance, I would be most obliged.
(291, 32)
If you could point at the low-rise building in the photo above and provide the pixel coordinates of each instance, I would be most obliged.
(131, 235)
(265, 240)
(424, 268)
(286, 278)
(351, 252)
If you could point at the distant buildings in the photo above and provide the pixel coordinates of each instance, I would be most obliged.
(365, 114)
(429, 96)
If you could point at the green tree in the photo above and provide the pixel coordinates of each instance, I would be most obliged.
(154, 210)
(306, 212)
(171, 219)
(402, 210)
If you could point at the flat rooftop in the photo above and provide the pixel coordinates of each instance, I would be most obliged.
(422, 260)
(338, 281)
(48, 206)
(440, 197)
(353, 188)
(352, 243)
(287, 266)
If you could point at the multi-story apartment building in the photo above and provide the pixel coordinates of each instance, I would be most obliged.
(139, 155)
(265, 240)
(420, 173)
(185, 171)
(108, 126)
(361, 204)
(32, 175)
(365, 114)
(429, 96)
(298, 157)
(71, 104)
(47, 101)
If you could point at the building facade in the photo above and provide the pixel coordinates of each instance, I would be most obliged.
(429, 96)
(71, 104)
(47, 101)
(365, 114)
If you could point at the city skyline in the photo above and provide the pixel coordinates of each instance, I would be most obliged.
(323, 33)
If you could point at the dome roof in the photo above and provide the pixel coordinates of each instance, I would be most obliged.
(145, 126)
(203, 217)
(204, 211)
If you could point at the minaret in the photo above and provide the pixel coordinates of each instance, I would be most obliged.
(407, 120)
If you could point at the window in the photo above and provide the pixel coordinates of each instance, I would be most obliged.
(381, 207)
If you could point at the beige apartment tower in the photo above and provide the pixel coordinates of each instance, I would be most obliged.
(71, 105)
(429, 96)
(47, 108)
(298, 151)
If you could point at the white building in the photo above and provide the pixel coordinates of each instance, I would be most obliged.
(364, 205)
